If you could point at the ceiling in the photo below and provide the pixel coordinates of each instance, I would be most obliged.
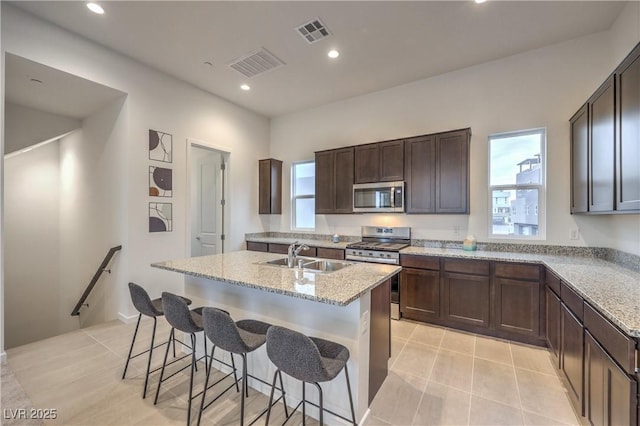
(382, 43)
(53, 90)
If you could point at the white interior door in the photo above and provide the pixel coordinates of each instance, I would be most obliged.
(206, 201)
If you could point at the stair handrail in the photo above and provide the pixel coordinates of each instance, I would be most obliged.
(102, 268)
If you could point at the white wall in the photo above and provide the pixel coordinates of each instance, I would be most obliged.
(118, 165)
(539, 88)
(32, 241)
(27, 126)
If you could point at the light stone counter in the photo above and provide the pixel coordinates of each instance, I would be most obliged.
(310, 242)
(613, 290)
(244, 268)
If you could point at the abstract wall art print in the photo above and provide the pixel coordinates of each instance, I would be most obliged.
(160, 146)
(160, 217)
(160, 182)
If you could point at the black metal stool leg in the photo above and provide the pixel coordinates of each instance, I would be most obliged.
(206, 368)
(206, 384)
(235, 375)
(273, 388)
(353, 412)
(245, 387)
(193, 365)
(304, 405)
(284, 401)
(135, 333)
(146, 377)
(164, 363)
(321, 404)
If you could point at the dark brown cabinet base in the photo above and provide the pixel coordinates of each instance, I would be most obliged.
(420, 294)
(466, 299)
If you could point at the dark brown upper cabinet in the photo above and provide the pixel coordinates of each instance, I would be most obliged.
(437, 173)
(628, 136)
(270, 186)
(605, 145)
(601, 147)
(334, 181)
(379, 162)
(580, 160)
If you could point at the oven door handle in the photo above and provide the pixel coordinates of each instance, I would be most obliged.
(371, 260)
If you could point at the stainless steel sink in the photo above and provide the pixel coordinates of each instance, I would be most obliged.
(310, 264)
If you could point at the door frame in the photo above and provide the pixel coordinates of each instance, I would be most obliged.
(226, 155)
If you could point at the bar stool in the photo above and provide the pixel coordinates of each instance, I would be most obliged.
(310, 360)
(178, 315)
(151, 308)
(237, 338)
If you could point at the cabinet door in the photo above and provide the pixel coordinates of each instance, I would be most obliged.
(571, 356)
(343, 182)
(628, 140)
(452, 177)
(552, 321)
(325, 191)
(609, 394)
(466, 299)
(391, 161)
(420, 294)
(580, 160)
(270, 186)
(517, 306)
(420, 174)
(367, 163)
(601, 148)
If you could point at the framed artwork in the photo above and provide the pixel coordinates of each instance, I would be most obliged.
(160, 217)
(160, 182)
(160, 146)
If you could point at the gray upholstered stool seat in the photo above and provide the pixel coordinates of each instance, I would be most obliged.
(310, 360)
(151, 308)
(178, 315)
(237, 338)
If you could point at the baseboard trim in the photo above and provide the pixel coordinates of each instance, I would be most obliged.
(365, 417)
(127, 319)
(3, 358)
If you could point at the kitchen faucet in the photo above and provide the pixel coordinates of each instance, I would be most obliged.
(292, 252)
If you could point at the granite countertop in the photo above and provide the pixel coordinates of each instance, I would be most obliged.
(244, 268)
(310, 242)
(613, 290)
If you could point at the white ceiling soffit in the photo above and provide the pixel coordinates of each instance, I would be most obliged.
(382, 43)
(40, 87)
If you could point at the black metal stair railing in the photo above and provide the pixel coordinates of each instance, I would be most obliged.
(102, 268)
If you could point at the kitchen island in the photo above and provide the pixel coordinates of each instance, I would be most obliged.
(349, 306)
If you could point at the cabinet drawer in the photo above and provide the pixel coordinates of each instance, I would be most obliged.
(420, 262)
(616, 343)
(572, 300)
(278, 248)
(552, 281)
(252, 245)
(330, 253)
(476, 267)
(517, 271)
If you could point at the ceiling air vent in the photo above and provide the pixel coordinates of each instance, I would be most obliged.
(313, 31)
(256, 62)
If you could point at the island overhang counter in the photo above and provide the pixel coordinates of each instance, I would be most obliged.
(350, 306)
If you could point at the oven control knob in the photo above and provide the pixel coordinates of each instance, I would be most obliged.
(360, 253)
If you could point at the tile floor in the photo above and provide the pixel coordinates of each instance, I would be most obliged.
(437, 376)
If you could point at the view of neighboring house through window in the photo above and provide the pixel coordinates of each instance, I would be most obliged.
(303, 198)
(517, 184)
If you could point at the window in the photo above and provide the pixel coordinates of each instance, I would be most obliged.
(517, 181)
(303, 196)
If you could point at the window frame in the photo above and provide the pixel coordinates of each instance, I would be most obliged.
(296, 197)
(541, 187)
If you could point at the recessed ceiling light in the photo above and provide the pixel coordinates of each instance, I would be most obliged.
(333, 54)
(245, 87)
(95, 8)
(480, 1)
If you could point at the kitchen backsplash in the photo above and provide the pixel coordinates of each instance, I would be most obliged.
(627, 260)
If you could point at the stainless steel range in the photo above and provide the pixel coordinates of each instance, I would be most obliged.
(382, 245)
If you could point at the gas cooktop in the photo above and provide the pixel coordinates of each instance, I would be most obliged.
(379, 246)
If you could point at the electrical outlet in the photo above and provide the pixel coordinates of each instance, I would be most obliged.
(456, 231)
(574, 234)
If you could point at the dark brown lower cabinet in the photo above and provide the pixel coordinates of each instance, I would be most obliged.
(517, 306)
(553, 324)
(466, 299)
(420, 294)
(379, 337)
(572, 355)
(609, 394)
(255, 246)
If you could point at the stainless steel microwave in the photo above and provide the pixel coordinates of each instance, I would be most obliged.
(380, 197)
